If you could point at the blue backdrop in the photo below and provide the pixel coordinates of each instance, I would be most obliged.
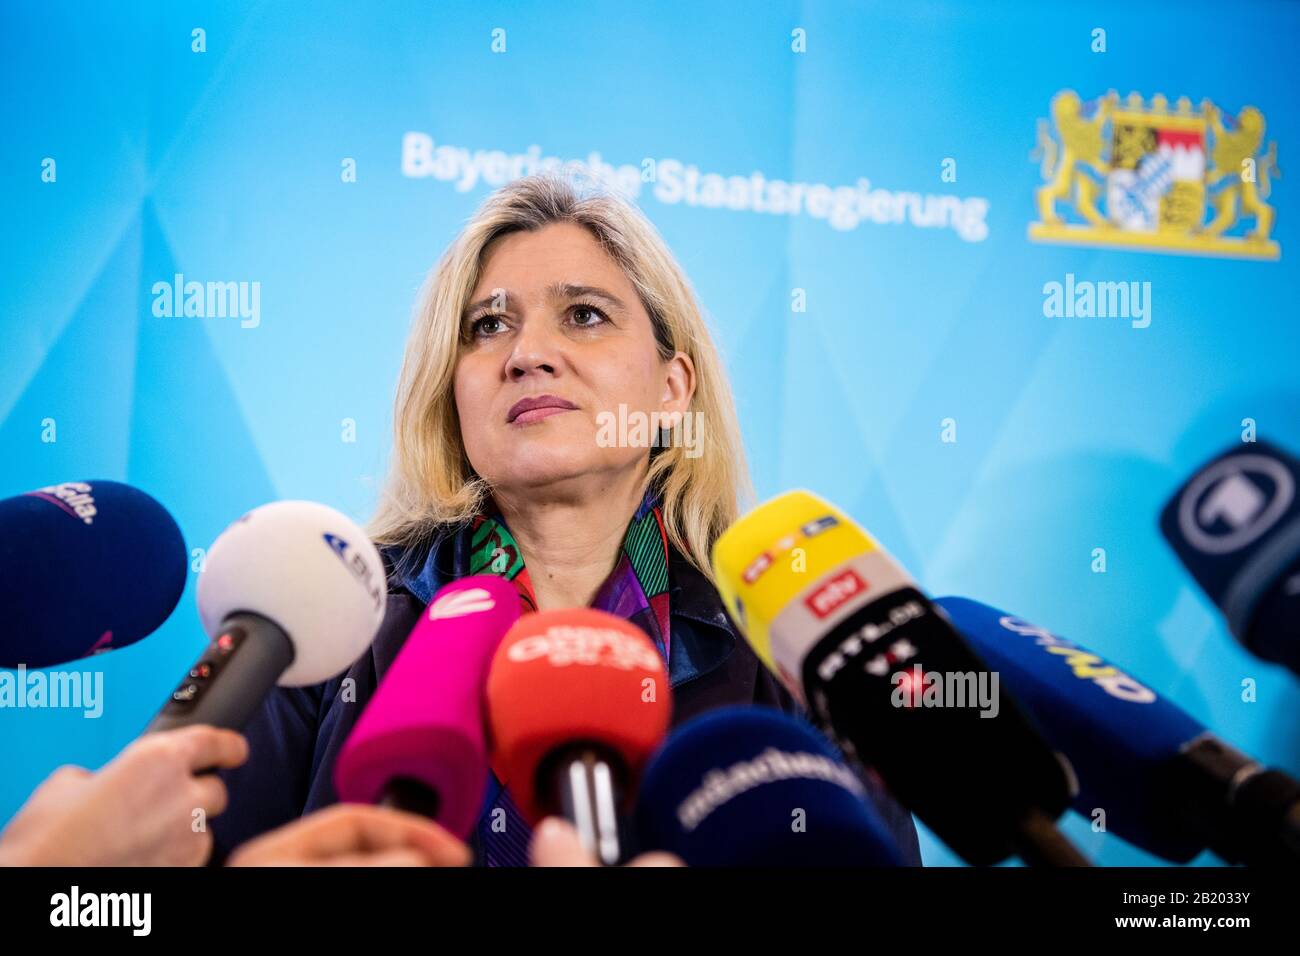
(849, 345)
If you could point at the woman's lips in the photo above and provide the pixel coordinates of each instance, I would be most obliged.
(537, 407)
(537, 414)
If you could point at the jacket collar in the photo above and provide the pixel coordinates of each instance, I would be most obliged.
(703, 637)
(702, 634)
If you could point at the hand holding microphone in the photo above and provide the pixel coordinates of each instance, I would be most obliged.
(348, 834)
(557, 843)
(149, 806)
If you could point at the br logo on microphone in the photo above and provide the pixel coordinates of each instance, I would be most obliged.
(355, 562)
(842, 587)
(1233, 502)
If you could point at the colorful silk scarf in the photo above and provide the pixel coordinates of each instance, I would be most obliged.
(637, 590)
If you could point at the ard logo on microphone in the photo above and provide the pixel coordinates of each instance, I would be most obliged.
(1234, 501)
(355, 562)
(842, 587)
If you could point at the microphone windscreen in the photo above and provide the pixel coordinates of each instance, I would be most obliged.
(751, 786)
(85, 566)
(310, 570)
(571, 676)
(794, 568)
(1235, 526)
(1119, 735)
(425, 721)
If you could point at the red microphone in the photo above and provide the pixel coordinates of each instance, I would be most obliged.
(419, 745)
(577, 700)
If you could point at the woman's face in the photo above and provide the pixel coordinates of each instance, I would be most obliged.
(557, 341)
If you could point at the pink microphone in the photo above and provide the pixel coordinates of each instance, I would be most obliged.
(419, 745)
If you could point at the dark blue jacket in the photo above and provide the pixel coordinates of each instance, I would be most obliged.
(297, 734)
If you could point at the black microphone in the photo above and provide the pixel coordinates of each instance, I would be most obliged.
(1235, 526)
(885, 672)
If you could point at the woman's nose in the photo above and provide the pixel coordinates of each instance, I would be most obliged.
(536, 350)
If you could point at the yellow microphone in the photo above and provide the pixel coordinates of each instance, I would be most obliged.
(883, 671)
(790, 568)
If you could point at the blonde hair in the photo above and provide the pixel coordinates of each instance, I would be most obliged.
(431, 483)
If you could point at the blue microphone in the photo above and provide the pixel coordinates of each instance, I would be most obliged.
(85, 566)
(750, 786)
(1166, 783)
(1235, 526)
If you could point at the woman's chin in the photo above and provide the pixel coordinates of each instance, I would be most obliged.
(552, 451)
(535, 479)
(542, 467)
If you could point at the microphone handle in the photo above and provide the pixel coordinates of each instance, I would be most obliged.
(586, 786)
(231, 678)
(1247, 813)
(1266, 809)
(411, 795)
(1040, 843)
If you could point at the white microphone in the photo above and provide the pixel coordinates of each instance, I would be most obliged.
(292, 593)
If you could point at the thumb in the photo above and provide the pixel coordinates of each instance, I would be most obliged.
(556, 843)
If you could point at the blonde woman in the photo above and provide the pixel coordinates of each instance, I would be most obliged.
(562, 420)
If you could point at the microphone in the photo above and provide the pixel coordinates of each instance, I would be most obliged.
(419, 744)
(1235, 526)
(850, 634)
(577, 700)
(85, 567)
(1166, 783)
(293, 593)
(750, 786)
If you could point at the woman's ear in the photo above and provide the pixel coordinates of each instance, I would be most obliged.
(679, 386)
